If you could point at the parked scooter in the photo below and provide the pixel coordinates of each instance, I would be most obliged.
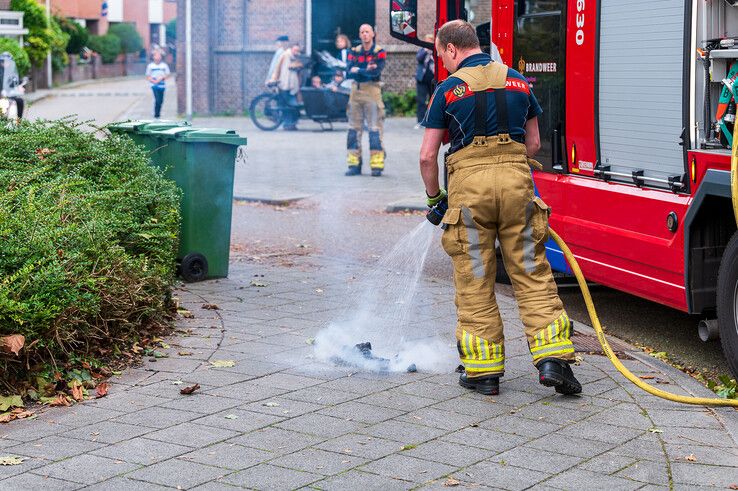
(13, 88)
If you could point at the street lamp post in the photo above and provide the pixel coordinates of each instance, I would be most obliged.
(49, 72)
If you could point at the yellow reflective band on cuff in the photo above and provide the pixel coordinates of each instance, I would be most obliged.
(552, 349)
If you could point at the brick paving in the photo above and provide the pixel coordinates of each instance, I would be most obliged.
(280, 419)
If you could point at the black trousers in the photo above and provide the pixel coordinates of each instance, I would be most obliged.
(423, 91)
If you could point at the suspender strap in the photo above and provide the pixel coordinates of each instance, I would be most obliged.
(501, 105)
(480, 113)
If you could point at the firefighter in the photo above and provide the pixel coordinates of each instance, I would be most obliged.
(491, 115)
(365, 65)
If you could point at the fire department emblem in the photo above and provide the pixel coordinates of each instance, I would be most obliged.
(521, 65)
(459, 90)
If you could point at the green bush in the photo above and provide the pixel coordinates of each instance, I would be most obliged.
(171, 30)
(38, 39)
(89, 234)
(130, 39)
(59, 42)
(399, 104)
(78, 35)
(19, 55)
(107, 46)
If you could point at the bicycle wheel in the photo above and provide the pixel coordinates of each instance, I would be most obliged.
(265, 112)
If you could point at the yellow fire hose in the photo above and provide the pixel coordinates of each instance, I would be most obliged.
(701, 401)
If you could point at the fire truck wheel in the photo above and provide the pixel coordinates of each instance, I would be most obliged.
(727, 303)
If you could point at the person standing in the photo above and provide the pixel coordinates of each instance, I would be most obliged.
(343, 46)
(287, 76)
(365, 65)
(156, 73)
(424, 79)
(282, 44)
(491, 116)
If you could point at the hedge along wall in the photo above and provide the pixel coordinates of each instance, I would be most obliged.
(89, 234)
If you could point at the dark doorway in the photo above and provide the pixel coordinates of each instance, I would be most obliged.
(331, 18)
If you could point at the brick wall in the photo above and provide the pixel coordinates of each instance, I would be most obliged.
(232, 49)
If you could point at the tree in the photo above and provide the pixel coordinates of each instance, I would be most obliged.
(59, 42)
(130, 39)
(171, 30)
(38, 40)
(107, 46)
(78, 34)
(19, 55)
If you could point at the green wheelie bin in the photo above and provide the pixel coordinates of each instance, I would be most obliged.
(143, 131)
(202, 163)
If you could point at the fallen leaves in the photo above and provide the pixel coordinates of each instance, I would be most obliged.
(184, 353)
(230, 416)
(451, 482)
(11, 460)
(222, 363)
(78, 392)
(7, 402)
(647, 377)
(12, 344)
(259, 283)
(185, 313)
(210, 306)
(17, 413)
(690, 458)
(407, 447)
(655, 430)
(271, 404)
(189, 390)
(101, 390)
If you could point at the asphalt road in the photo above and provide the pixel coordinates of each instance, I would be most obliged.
(344, 218)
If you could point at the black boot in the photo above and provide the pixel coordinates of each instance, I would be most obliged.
(556, 373)
(488, 385)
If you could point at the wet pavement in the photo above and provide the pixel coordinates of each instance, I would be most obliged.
(269, 415)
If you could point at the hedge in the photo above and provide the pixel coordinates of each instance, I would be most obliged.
(20, 57)
(89, 234)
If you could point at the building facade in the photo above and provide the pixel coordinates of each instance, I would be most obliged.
(149, 16)
(233, 42)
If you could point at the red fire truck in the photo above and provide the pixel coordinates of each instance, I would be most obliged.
(636, 133)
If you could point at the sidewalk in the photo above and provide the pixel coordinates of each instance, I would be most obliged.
(278, 419)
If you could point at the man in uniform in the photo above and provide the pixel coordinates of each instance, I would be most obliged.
(365, 65)
(492, 118)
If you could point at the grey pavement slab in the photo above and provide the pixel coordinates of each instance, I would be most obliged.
(85, 469)
(269, 477)
(283, 419)
(408, 468)
(178, 473)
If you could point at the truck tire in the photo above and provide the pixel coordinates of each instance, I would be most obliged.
(727, 303)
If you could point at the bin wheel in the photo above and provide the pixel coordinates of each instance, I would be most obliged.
(727, 303)
(194, 267)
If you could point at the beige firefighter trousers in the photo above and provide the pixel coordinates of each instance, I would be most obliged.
(491, 197)
(366, 106)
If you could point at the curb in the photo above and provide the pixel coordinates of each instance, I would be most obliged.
(406, 205)
(272, 200)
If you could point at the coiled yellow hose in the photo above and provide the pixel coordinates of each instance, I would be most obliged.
(702, 401)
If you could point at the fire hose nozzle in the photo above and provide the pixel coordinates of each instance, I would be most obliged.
(435, 214)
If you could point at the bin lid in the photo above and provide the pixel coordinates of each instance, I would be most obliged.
(171, 133)
(145, 125)
(207, 135)
(161, 125)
